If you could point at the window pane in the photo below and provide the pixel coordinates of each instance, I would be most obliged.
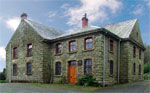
(88, 66)
(58, 48)
(72, 63)
(14, 69)
(58, 68)
(72, 46)
(29, 50)
(111, 67)
(133, 68)
(29, 66)
(15, 52)
(89, 43)
(30, 46)
(139, 69)
(111, 45)
(134, 51)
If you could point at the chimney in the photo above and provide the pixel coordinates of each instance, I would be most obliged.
(84, 21)
(23, 16)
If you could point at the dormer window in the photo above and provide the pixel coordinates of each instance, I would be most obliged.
(29, 49)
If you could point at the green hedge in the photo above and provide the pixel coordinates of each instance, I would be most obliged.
(147, 67)
(2, 76)
(88, 80)
(147, 76)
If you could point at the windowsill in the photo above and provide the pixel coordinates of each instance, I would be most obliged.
(29, 55)
(72, 52)
(58, 75)
(88, 49)
(111, 52)
(134, 74)
(111, 75)
(58, 54)
(15, 58)
(29, 74)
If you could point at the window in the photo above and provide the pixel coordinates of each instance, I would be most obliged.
(139, 69)
(88, 43)
(58, 48)
(111, 67)
(15, 52)
(111, 46)
(139, 53)
(134, 51)
(72, 46)
(88, 66)
(29, 68)
(29, 49)
(133, 68)
(14, 69)
(58, 68)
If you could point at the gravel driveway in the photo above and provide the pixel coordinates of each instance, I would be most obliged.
(138, 87)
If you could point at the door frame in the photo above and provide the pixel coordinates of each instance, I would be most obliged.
(67, 66)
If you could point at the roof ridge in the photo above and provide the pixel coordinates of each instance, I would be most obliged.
(121, 22)
(42, 24)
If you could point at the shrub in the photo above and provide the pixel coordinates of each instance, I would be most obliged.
(147, 67)
(62, 80)
(2, 76)
(87, 80)
(147, 76)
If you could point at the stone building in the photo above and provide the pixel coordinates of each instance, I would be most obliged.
(112, 54)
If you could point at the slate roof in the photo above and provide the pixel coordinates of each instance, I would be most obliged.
(44, 31)
(121, 29)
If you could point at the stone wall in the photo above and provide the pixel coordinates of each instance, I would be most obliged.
(135, 76)
(97, 54)
(111, 79)
(127, 60)
(24, 35)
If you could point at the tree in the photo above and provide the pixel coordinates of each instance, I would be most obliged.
(3, 75)
(147, 54)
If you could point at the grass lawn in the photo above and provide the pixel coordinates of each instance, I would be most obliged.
(2, 81)
(77, 87)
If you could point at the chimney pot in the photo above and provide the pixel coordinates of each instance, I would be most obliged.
(24, 16)
(84, 20)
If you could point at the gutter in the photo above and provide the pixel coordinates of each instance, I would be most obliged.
(10, 55)
(103, 30)
(51, 77)
(133, 41)
(104, 60)
(119, 61)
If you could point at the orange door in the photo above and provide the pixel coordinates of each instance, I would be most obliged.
(72, 75)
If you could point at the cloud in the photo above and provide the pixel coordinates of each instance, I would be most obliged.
(138, 10)
(13, 23)
(2, 53)
(147, 2)
(51, 14)
(2, 58)
(65, 6)
(95, 9)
